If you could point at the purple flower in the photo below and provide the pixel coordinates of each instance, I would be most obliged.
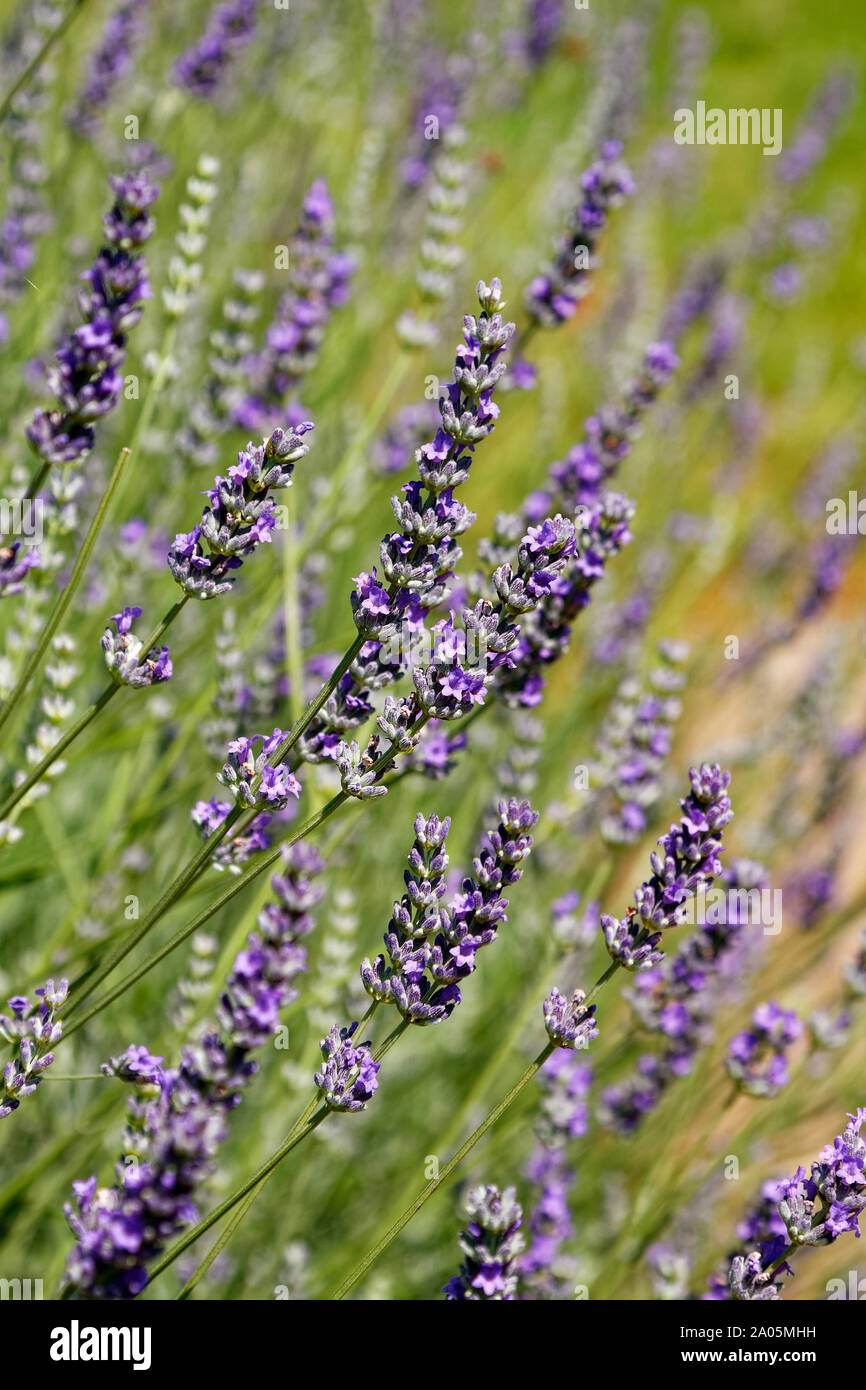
(688, 862)
(756, 1057)
(431, 948)
(319, 280)
(13, 569)
(418, 557)
(123, 654)
(813, 135)
(32, 1031)
(120, 1230)
(204, 67)
(348, 1078)
(553, 295)
(110, 65)
(569, 1024)
(251, 778)
(234, 851)
(240, 516)
(676, 1000)
(136, 1064)
(491, 1245)
(87, 380)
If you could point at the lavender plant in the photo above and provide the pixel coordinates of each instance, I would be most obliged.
(284, 1108)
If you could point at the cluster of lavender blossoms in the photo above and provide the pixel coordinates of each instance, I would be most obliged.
(417, 562)
(814, 1209)
(554, 294)
(203, 68)
(492, 1244)
(576, 487)
(319, 282)
(632, 744)
(676, 1001)
(252, 780)
(418, 558)
(14, 567)
(174, 1134)
(609, 435)
(430, 948)
(565, 1079)
(349, 1075)
(240, 517)
(110, 65)
(32, 1030)
(757, 1057)
(86, 379)
(25, 217)
(123, 653)
(689, 861)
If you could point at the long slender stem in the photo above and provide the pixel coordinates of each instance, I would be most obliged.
(68, 592)
(175, 890)
(192, 1235)
(75, 8)
(318, 700)
(199, 920)
(35, 484)
(58, 749)
(223, 1240)
(292, 611)
(186, 877)
(435, 1183)
(424, 1196)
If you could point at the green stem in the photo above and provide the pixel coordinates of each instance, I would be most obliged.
(198, 921)
(67, 593)
(175, 889)
(221, 1242)
(423, 1197)
(186, 877)
(602, 980)
(779, 1262)
(433, 1186)
(75, 8)
(86, 718)
(58, 750)
(34, 487)
(318, 700)
(225, 1206)
(300, 1124)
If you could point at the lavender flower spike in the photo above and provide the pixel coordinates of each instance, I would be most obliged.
(431, 949)
(348, 1079)
(756, 1058)
(417, 558)
(123, 654)
(554, 295)
(491, 1244)
(202, 68)
(87, 380)
(32, 1035)
(111, 64)
(689, 861)
(247, 765)
(240, 517)
(175, 1133)
(568, 1023)
(814, 1210)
